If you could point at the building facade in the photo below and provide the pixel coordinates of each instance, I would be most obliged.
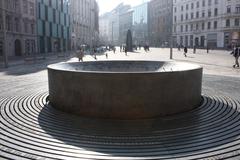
(53, 26)
(110, 26)
(125, 24)
(18, 27)
(85, 23)
(160, 22)
(140, 24)
(206, 23)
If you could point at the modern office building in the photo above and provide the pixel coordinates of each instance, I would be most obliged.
(125, 24)
(206, 23)
(53, 26)
(85, 23)
(160, 22)
(140, 24)
(18, 28)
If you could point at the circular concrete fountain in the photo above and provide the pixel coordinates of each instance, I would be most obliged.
(125, 89)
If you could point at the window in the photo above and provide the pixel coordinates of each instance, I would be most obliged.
(203, 26)
(32, 28)
(191, 27)
(209, 13)
(46, 13)
(197, 14)
(25, 6)
(203, 3)
(187, 7)
(17, 25)
(216, 1)
(236, 23)
(181, 8)
(54, 15)
(197, 26)
(192, 5)
(209, 2)
(215, 12)
(197, 4)
(228, 23)
(215, 24)
(186, 28)
(181, 28)
(175, 9)
(238, 8)
(192, 16)
(31, 9)
(26, 27)
(228, 9)
(186, 16)
(1, 22)
(203, 14)
(209, 25)
(181, 17)
(175, 18)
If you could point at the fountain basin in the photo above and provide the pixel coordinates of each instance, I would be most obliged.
(125, 89)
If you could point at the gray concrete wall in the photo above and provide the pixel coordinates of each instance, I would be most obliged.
(125, 95)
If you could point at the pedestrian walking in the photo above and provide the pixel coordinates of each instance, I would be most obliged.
(185, 51)
(207, 49)
(125, 49)
(120, 48)
(114, 49)
(236, 54)
(80, 55)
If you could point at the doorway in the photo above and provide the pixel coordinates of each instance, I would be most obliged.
(18, 48)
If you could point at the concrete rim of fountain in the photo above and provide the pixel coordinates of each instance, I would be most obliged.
(125, 89)
(143, 66)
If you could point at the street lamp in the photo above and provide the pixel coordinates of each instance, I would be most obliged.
(171, 32)
(112, 31)
(5, 56)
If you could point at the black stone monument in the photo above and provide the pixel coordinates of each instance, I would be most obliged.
(129, 46)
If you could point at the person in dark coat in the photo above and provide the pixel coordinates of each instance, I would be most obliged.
(185, 51)
(236, 54)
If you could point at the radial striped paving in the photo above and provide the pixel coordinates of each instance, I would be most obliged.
(30, 129)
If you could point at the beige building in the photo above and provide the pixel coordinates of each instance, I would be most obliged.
(18, 27)
(206, 23)
(84, 21)
(160, 22)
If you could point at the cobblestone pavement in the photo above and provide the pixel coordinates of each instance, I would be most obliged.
(30, 129)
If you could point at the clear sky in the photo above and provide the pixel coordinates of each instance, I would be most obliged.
(108, 5)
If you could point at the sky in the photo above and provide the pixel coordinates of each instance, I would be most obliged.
(108, 5)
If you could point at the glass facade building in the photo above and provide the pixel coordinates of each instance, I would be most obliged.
(140, 24)
(53, 26)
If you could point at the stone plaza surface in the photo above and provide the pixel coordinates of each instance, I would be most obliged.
(31, 130)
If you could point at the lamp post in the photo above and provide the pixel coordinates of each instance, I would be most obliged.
(171, 33)
(112, 31)
(5, 57)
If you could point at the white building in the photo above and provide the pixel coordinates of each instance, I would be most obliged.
(84, 21)
(206, 23)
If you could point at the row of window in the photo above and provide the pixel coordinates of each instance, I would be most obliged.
(15, 24)
(52, 15)
(14, 5)
(209, 25)
(197, 5)
(60, 5)
(197, 15)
